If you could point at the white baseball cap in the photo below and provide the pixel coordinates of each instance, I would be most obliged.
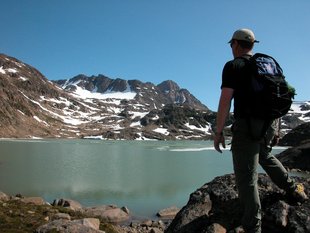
(245, 35)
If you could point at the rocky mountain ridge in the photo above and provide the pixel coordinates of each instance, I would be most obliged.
(149, 94)
(99, 107)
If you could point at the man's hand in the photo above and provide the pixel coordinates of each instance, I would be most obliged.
(222, 113)
(218, 140)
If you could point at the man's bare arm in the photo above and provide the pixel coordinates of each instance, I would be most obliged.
(222, 113)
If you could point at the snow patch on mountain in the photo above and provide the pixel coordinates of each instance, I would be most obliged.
(162, 131)
(206, 129)
(85, 94)
(301, 109)
(82, 93)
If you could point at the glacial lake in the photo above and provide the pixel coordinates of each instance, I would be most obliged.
(145, 176)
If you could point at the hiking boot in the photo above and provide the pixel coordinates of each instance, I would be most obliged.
(298, 194)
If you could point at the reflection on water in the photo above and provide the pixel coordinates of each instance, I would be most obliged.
(145, 176)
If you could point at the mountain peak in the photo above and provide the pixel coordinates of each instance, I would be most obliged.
(148, 94)
(168, 85)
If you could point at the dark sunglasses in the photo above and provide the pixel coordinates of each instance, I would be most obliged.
(231, 43)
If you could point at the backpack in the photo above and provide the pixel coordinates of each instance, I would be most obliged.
(271, 96)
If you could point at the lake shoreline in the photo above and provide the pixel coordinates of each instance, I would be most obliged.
(29, 214)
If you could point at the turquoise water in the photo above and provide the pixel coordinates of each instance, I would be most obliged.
(145, 176)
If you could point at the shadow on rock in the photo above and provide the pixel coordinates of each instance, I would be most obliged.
(215, 208)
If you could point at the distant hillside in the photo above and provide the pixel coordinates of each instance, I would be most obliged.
(100, 107)
(94, 107)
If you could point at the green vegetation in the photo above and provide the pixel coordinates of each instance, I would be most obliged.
(19, 217)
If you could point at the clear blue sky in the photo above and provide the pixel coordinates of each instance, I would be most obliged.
(155, 40)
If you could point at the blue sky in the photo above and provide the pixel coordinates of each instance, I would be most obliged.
(155, 40)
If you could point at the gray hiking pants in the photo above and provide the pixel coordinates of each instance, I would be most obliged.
(247, 154)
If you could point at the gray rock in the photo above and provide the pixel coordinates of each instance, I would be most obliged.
(125, 209)
(296, 136)
(68, 203)
(89, 222)
(146, 223)
(66, 226)
(33, 200)
(215, 228)
(279, 213)
(168, 212)
(215, 205)
(296, 157)
(156, 230)
(107, 213)
(61, 216)
(4, 197)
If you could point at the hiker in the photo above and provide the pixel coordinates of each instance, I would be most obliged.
(248, 147)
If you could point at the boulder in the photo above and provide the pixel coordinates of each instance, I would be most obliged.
(70, 204)
(168, 212)
(215, 228)
(33, 200)
(296, 136)
(155, 230)
(145, 226)
(67, 226)
(89, 222)
(61, 216)
(214, 208)
(4, 197)
(297, 157)
(108, 213)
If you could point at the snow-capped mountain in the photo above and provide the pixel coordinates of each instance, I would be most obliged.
(299, 113)
(132, 109)
(95, 107)
(150, 95)
(100, 107)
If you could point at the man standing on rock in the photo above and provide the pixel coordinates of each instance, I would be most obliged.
(248, 152)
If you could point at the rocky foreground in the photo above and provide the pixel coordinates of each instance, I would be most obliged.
(213, 208)
(33, 214)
